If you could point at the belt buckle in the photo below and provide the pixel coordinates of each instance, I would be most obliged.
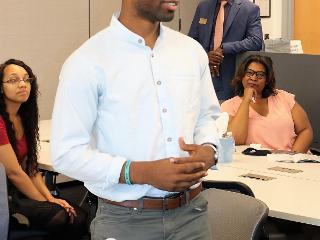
(165, 200)
(184, 198)
(165, 203)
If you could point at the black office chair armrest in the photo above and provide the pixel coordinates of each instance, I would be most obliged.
(315, 151)
(231, 186)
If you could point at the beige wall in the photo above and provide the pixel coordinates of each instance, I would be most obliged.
(187, 10)
(101, 12)
(42, 33)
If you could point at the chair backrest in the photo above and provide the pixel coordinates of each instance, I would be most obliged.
(232, 186)
(4, 209)
(234, 215)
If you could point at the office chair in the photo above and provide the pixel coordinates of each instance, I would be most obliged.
(229, 186)
(90, 203)
(4, 209)
(27, 234)
(269, 229)
(315, 151)
(22, 232)
(234, 215)
(50, 179)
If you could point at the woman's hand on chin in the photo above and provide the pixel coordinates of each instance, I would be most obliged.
(249, 95)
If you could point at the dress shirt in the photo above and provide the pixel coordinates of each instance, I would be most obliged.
(118, 99)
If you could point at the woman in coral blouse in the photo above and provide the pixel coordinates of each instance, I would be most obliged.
(19, 137)
(260, 113)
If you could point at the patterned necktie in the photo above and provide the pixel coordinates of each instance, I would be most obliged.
(218, 32)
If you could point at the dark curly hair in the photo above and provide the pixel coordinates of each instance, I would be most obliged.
(29, 114)
(269, 88)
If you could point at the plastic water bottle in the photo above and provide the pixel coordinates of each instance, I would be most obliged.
(228, 148)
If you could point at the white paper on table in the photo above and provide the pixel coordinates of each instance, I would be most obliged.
(293, 158)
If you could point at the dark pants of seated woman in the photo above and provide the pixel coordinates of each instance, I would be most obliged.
(51, 217)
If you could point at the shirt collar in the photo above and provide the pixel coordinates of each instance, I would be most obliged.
(128, 35)
(230, 2)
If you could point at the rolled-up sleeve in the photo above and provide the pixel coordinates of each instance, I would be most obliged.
(73, 125)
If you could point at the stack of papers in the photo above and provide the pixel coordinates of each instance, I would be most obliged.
(295, 46)
(278, 45)
(293, 158)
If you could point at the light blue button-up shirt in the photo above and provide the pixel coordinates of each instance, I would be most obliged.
(119, 99)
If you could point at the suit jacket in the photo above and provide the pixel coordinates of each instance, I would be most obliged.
(242, 32)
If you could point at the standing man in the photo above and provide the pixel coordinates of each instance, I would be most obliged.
(225, 28)
(134, 120)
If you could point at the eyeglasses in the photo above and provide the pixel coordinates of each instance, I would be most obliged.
(259, 74)
(16, 80)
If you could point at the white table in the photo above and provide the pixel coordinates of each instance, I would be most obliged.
(44, 159)
(45, 130)
(261, 164)
(289, 196)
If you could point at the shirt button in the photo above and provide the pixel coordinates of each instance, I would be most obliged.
(140, 41)
(152, 55)
(159, 82)
(169, 139)
(164, 110)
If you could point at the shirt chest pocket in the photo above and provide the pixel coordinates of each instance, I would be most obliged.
(184, 91)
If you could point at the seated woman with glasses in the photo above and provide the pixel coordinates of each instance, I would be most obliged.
(19, 138)
(260, 113)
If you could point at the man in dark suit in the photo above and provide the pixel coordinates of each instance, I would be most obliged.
(241, 31)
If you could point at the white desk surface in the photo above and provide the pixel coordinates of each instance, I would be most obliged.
(45, 162)
(45, 130)
(260, 164)
(44, 159)
(289, 196)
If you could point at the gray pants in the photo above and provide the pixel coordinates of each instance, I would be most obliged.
(121, 223)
